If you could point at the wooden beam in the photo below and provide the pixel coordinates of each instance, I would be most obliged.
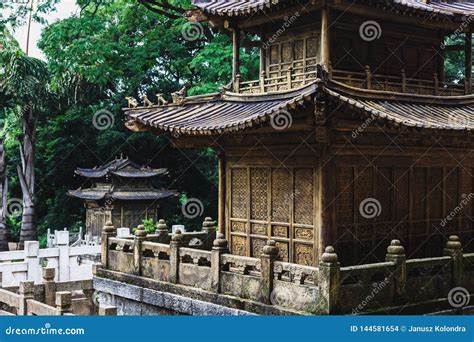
(468, 61)
(236, 53)
(222, 193)
(325, 57)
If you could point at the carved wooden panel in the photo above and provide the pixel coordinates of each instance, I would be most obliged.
(258, 193)
(303, 254)
(286, 52)
(239, 245)
(238, 227)
(413, 204)
(280, 204)
(258, 228)
(281, 189)
(345, 190)
(239, 193)
(280, 231)
(303, 196)
(283, 251)
(304, 234)
(257, 247)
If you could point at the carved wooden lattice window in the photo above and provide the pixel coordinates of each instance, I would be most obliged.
(301, 53)
(276, 203)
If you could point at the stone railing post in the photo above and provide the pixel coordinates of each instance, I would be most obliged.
(140, 236)
(267, 258)
(62, 241)
(107, 310)
(220, 246)
(176, 242)
(162, 232)
(396, 254)
(49, 285)
(26, 291)
(64, 302)
(454, 250)
(209, 227)
(107, 232)
(32, 262)
(329, 281)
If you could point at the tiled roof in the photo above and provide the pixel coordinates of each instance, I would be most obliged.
(442, 113)
(249, 7)
(225, 113)
(122, 167)
(231, 113)
(99, 194)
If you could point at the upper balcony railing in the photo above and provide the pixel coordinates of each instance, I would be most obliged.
(296, 77)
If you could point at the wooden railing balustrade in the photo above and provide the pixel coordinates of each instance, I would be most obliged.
(297, 76)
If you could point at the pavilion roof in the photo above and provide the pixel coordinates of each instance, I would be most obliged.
(122, 194)
(230, 112)
(236, 8)
(122, 167)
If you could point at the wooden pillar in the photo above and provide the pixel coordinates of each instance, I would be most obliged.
(325, 46)
(222, 194)
(468, 61)
(236, 53)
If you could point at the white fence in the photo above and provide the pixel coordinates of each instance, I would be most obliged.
(71, 263)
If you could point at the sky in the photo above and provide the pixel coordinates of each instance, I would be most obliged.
(64, 9)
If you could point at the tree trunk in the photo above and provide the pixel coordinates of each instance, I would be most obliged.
(26, 175)
(3, 199)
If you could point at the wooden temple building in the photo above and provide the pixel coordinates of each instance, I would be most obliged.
(122, 192)
(352, 106)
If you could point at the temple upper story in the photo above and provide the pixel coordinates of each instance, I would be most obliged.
(394, 46)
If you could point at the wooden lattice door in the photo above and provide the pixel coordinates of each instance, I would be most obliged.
(276, 203)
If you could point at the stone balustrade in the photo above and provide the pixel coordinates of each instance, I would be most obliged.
(326, 289)
(51, 298)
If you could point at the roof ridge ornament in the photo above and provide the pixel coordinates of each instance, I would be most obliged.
(179, 96)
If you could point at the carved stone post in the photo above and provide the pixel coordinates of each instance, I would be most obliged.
(31, 258)
(454, 250)
(107, 232)
(329, 281)
(62, 240)
(209, 227)
(26, 291)
(220, 246)
(267, 258)
(396, 254)
(140, 236)
(162, 232)
(176, 242)
(64, 302)
(368, 75)
(49, 285)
